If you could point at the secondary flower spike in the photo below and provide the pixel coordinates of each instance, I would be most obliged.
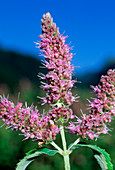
(28, 120)
(102, 110)
(57, 60)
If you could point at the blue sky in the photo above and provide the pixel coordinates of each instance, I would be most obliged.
(89, 24)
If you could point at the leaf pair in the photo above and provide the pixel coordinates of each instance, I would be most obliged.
(100, 155)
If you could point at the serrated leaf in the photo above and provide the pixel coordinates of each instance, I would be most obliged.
(31, 155)
(102, 158)
(101, 161)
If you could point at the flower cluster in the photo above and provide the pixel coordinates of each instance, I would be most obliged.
(61, 113)
(57, 61)
(33, 125)
(102, 109)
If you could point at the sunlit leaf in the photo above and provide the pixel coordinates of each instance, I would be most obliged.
(100, 154)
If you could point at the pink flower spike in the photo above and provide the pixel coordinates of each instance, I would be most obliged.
(58, 57)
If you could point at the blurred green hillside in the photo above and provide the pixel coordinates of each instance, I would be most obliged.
(18, 73)
(14, 67)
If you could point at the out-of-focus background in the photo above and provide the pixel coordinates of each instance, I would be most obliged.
(91, 29)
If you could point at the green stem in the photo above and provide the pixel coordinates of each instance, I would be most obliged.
(63, 137)
(66, 153)
(66, 162)
(57, 147)
(75, 143)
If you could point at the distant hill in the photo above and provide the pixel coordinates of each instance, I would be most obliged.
(14, 67)
(93, 78)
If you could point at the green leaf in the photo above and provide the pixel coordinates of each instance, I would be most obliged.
(101, 161)
(32, 155)
(100, 155)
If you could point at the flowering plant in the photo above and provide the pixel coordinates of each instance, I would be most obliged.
(43, 128)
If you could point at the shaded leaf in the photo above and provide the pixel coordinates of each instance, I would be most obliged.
(32, 155)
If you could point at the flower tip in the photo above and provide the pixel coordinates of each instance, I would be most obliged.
(48, 14)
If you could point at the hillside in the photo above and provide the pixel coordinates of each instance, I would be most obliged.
(14, 67)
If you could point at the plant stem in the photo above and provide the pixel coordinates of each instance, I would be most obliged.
(66, 162)
(66, 154)
(57, 147)
(75, 143)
